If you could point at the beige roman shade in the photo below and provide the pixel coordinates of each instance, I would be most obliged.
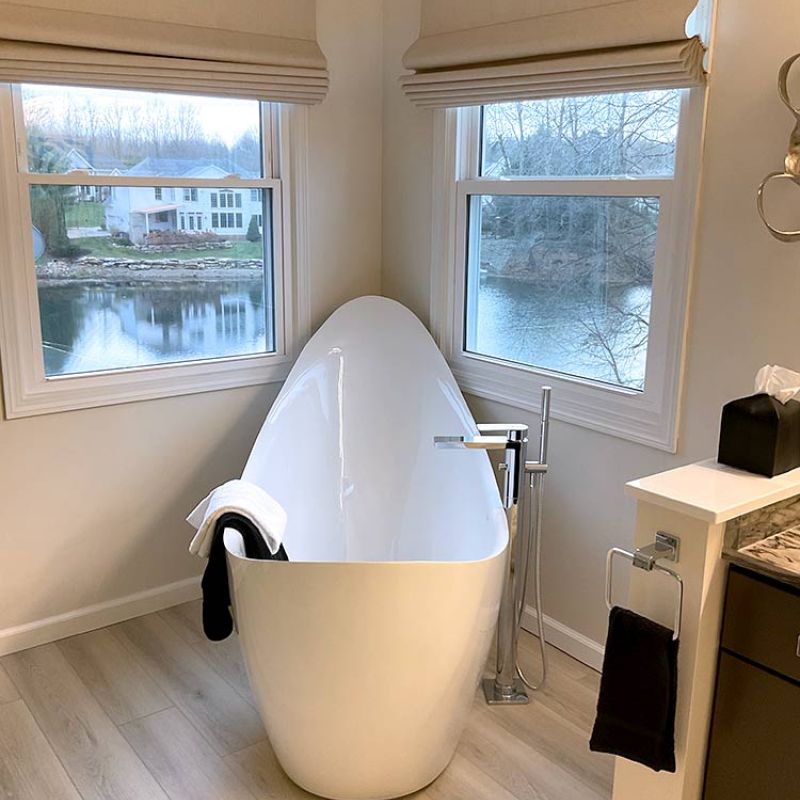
(241, 48)
(472, 51)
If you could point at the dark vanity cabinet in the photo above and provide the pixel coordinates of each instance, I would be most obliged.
(754, 747)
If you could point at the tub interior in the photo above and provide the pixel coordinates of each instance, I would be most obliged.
(347, 448)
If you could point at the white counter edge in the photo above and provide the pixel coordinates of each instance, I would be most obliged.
(713, 492)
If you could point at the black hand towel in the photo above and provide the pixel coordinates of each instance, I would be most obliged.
(638, 691)
(217, 620)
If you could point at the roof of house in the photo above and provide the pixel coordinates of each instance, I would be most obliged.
(104, 161)
(100, 161)
(156, 209)
(186, 168)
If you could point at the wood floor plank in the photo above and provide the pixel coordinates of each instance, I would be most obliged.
(29, 769)
(100, 762)
(518, 767)
(117, 681)
(208, 701)
(462, 779)
(225, 656)
(8, 692)
(259, 769)
(555, 738)
(183, 762)
(567, 690)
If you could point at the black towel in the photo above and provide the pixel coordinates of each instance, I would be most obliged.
(638, 690)
(217, 620)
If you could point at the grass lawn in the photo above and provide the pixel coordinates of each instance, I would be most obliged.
(102, 248)
(85, 215)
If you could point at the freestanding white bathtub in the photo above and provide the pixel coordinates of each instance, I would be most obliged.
(365, 649)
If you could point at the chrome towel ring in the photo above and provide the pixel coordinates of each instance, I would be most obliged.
(791, 170)
(645, 558)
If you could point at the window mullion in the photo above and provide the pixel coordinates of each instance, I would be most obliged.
(577, 187)
(78, 178)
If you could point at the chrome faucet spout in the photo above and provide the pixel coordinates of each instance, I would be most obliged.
(470, 442)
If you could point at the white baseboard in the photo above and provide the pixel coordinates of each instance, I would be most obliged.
(96, 616)
(575, 644)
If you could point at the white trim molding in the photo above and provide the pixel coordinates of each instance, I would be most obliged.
(99, 615)
(649, 417)
(28, 391)
(570, 641)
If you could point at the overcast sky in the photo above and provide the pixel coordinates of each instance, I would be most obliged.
(220, 117)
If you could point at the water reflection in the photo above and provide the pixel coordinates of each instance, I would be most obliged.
(598, 332)
(86, 328)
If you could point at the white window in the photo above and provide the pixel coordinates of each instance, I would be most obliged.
(82, 323)
(565, 230)
(255, 196)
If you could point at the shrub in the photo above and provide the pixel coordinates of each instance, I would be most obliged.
(253, 233)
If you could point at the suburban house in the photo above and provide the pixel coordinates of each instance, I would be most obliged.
(98, 165)
(141, 210)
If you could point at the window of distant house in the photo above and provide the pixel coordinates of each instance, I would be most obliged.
(568, 233)
(127, 272)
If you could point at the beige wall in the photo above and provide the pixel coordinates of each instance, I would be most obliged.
(92, 502)
(744, 299)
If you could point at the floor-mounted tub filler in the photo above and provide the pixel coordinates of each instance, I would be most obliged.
(365, 649)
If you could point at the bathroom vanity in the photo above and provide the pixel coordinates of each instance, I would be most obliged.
(758, 692)
(738, 670)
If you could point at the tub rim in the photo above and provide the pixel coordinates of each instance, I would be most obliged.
(412, 562)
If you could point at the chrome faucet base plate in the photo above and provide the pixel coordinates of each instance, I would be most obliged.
(494, 697)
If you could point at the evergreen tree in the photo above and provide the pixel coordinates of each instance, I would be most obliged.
(253, 233)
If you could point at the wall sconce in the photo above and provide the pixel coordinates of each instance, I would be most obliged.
(791, 170)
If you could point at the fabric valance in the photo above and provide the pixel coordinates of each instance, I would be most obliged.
(471, 52)
(241, 48)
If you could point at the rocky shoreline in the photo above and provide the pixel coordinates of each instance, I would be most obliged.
(92, 269)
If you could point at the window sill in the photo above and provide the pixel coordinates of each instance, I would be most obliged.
(33, 397)
(616, 411)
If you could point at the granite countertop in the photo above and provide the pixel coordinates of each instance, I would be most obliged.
(777, 556)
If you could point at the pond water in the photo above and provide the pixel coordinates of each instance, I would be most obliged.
(597, 332)
(90, 327)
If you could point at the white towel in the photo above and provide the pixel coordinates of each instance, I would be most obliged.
(240, 497)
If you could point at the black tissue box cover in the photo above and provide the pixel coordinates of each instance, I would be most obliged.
(760, 434)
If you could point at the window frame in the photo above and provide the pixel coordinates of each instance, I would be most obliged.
(26, 389)
(649, 417)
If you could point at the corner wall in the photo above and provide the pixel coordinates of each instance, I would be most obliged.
(743, 303)
(92, 503)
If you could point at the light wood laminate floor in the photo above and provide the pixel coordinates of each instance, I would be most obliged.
(150, 710)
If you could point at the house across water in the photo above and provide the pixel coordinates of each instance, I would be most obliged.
(141, 210)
